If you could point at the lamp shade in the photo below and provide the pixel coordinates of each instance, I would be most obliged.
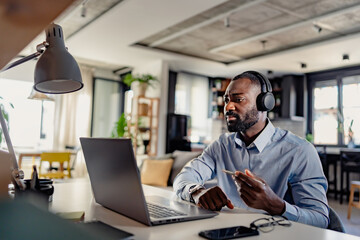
(57, 71)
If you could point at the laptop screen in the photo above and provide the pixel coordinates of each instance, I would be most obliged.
(114, 176)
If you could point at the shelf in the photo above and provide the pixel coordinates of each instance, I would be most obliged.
(147, 128)
(216, 101)
(144, 129)
(288, 91)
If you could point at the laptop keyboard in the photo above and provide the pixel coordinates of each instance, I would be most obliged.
(157, 211)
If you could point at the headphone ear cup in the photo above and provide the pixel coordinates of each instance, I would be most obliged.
(265, 101)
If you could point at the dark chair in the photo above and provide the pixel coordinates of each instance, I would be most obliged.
(350, 163)
(335, 221)
(326, 161)
(321, 149)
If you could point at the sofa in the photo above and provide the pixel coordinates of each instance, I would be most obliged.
(161, 171)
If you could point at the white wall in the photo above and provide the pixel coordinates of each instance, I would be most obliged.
(105, 73)
(23, 72)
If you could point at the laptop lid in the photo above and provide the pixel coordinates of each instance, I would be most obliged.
(114, 176)
(116, 184)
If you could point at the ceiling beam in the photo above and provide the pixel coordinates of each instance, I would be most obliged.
(299, 50)
(302, 17)
(283, 29)
(204, 23)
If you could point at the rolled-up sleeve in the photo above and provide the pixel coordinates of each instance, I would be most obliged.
(308, 187)
(195, 172)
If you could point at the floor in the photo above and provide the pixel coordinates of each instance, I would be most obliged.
(352, 226)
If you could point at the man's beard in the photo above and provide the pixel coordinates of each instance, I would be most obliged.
(239, 125)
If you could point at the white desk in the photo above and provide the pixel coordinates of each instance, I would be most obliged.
(77, 196)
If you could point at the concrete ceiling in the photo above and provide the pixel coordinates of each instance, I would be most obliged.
(213, 37)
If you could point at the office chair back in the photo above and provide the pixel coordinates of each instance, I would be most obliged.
(321, 149)
(335, 221)
(350, 163)
(55, 157)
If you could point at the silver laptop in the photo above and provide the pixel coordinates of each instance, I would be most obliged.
(116, 184)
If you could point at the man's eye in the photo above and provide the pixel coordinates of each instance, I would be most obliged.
(226, 100)
(239, 100)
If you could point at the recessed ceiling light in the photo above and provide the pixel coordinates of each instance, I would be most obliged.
(263, 43)
(227, 22)
(345, 57)
(317, 28)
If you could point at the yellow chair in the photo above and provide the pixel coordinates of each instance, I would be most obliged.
(354, 185)
(55, 157)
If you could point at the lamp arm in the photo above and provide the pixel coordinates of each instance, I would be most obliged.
(25, 59)
(17, 174)
(22, 60)
(9, 144)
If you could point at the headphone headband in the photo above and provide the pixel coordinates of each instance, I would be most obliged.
(264, 81)
(265, 101)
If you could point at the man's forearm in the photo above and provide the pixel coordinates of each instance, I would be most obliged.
(307, 216)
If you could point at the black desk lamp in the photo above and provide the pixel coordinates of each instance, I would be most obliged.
(56, 72)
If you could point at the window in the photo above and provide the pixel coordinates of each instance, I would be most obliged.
(351, 108)
(335, 119)
(108, 106)
(191, 98)
(326, 112)
(25, 118)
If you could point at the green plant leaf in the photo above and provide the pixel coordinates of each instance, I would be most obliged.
(144, 78)
(120, 128)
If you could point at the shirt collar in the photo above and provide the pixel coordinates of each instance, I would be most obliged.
(262, 140)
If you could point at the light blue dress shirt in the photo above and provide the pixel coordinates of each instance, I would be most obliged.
(290, 165)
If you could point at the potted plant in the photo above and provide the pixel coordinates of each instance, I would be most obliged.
(121, 128)
(144, 80)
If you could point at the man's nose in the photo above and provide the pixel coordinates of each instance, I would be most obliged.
(229, 106)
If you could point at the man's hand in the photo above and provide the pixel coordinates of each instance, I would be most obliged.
(257, 194)
(213, 199)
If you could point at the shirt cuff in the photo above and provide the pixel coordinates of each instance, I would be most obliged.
(186, 191)
(291, 212)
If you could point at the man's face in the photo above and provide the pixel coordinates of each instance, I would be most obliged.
(240, 105)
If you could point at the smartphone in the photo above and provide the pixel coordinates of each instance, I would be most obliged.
(233, 174)
(229, 233)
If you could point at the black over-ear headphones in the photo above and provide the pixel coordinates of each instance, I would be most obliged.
(265, 101)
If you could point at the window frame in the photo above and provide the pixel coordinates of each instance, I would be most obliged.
(334, 74)
(122, 89)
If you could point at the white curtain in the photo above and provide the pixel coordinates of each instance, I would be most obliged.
(73, 117)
